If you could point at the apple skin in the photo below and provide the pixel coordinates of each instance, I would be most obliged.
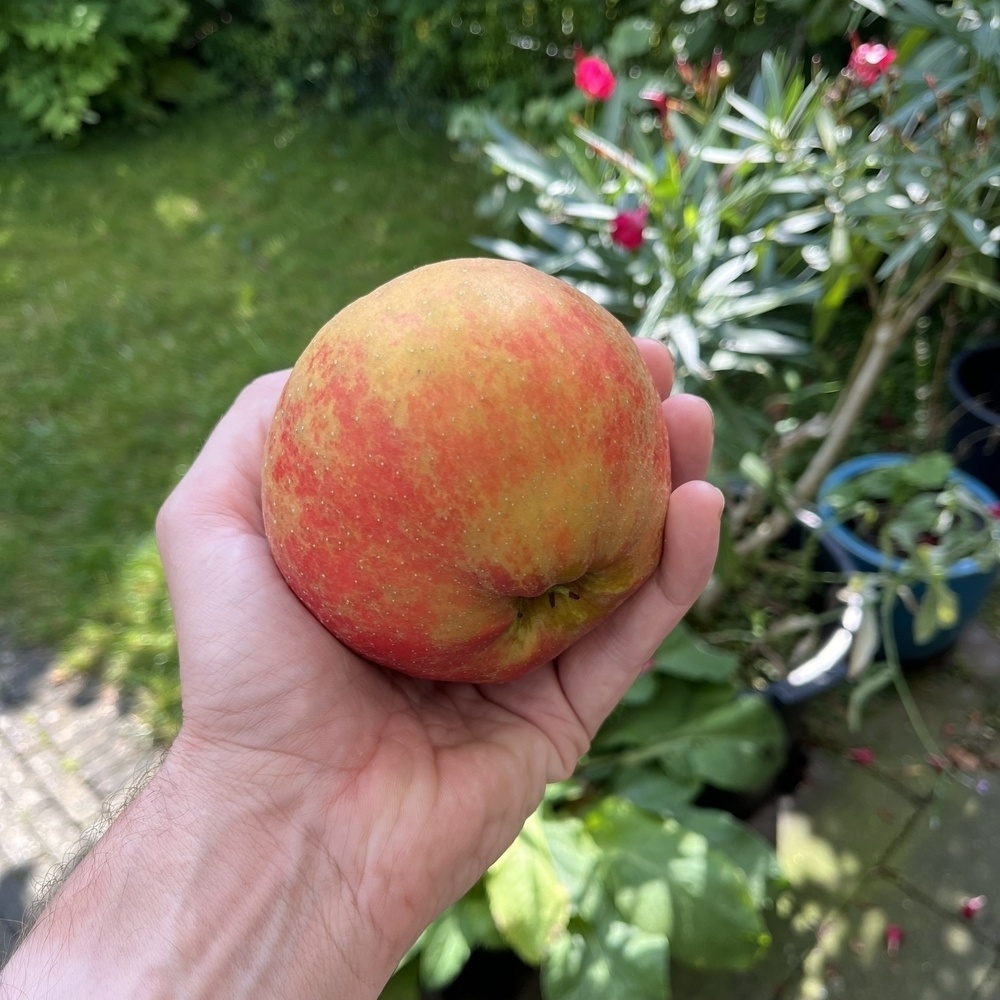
(467, 471)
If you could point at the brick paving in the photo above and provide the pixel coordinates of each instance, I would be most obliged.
(68, 758)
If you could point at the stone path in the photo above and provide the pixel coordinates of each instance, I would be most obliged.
(68, 757)
(883, 857)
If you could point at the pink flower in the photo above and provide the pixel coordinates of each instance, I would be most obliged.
(994, 509)
(972, 906)
(864, 756)
(594, 77)
(894, 935)
(627, 227)
(869, 61)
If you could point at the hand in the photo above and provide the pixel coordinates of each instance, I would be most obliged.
(376, 798)
(440, 777)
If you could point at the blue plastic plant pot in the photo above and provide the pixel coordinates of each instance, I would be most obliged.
(974, 437)
(966, 578)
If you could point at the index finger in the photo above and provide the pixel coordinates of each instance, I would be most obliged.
(660, 363)
(224, 480)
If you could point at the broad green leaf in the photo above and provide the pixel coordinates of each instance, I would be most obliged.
(700, 732)
(404, 985)
(475, 920)
(444, 951)
(668, 879)
(631, 38)
(528, 902)
(652, 789)
(684, 654)
(577, 862)
(611, 961)
(750, 852)
(642, 689)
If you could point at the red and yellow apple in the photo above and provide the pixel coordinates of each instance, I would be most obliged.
(467, 471)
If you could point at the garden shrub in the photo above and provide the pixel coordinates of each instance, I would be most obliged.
(281, 50)
(67, 63)
(57, 57)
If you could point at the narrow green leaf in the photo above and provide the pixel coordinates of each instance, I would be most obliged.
(978, 282)
(755, 471)
(748, 109)
(875, 679)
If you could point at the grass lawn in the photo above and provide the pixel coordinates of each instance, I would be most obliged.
(143, 282)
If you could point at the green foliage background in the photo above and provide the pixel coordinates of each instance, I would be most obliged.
(68, 64)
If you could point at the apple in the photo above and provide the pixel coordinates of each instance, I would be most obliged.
(467, 471)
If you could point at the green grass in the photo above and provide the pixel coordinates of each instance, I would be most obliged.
(143, 282)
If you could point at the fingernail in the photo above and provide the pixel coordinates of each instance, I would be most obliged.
(711, 412)
(722, 501)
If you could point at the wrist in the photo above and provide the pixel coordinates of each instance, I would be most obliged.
(209, 886)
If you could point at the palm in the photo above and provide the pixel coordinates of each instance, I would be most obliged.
(268, 690)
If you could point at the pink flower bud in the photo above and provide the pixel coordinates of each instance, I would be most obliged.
(594, 77)
(972, 906)
(894, 935)
(627, 227)
(869, 61)
(864, 756)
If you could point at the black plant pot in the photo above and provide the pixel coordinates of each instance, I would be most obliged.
(828, 666)
(974, 438)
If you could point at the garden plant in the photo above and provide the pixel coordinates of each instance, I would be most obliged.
(751, 210)
(742, 227)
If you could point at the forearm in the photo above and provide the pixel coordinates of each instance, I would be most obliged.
(194, 893)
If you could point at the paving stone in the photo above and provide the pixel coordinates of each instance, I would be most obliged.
(62, 783)
(949, 707)
(938, 958)
(952, 854)
(37, 809)
(990, 990)
(19, 844)
(834, 831)
(791, 942)
(65, 752)
(846, 956)
(978, 653)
